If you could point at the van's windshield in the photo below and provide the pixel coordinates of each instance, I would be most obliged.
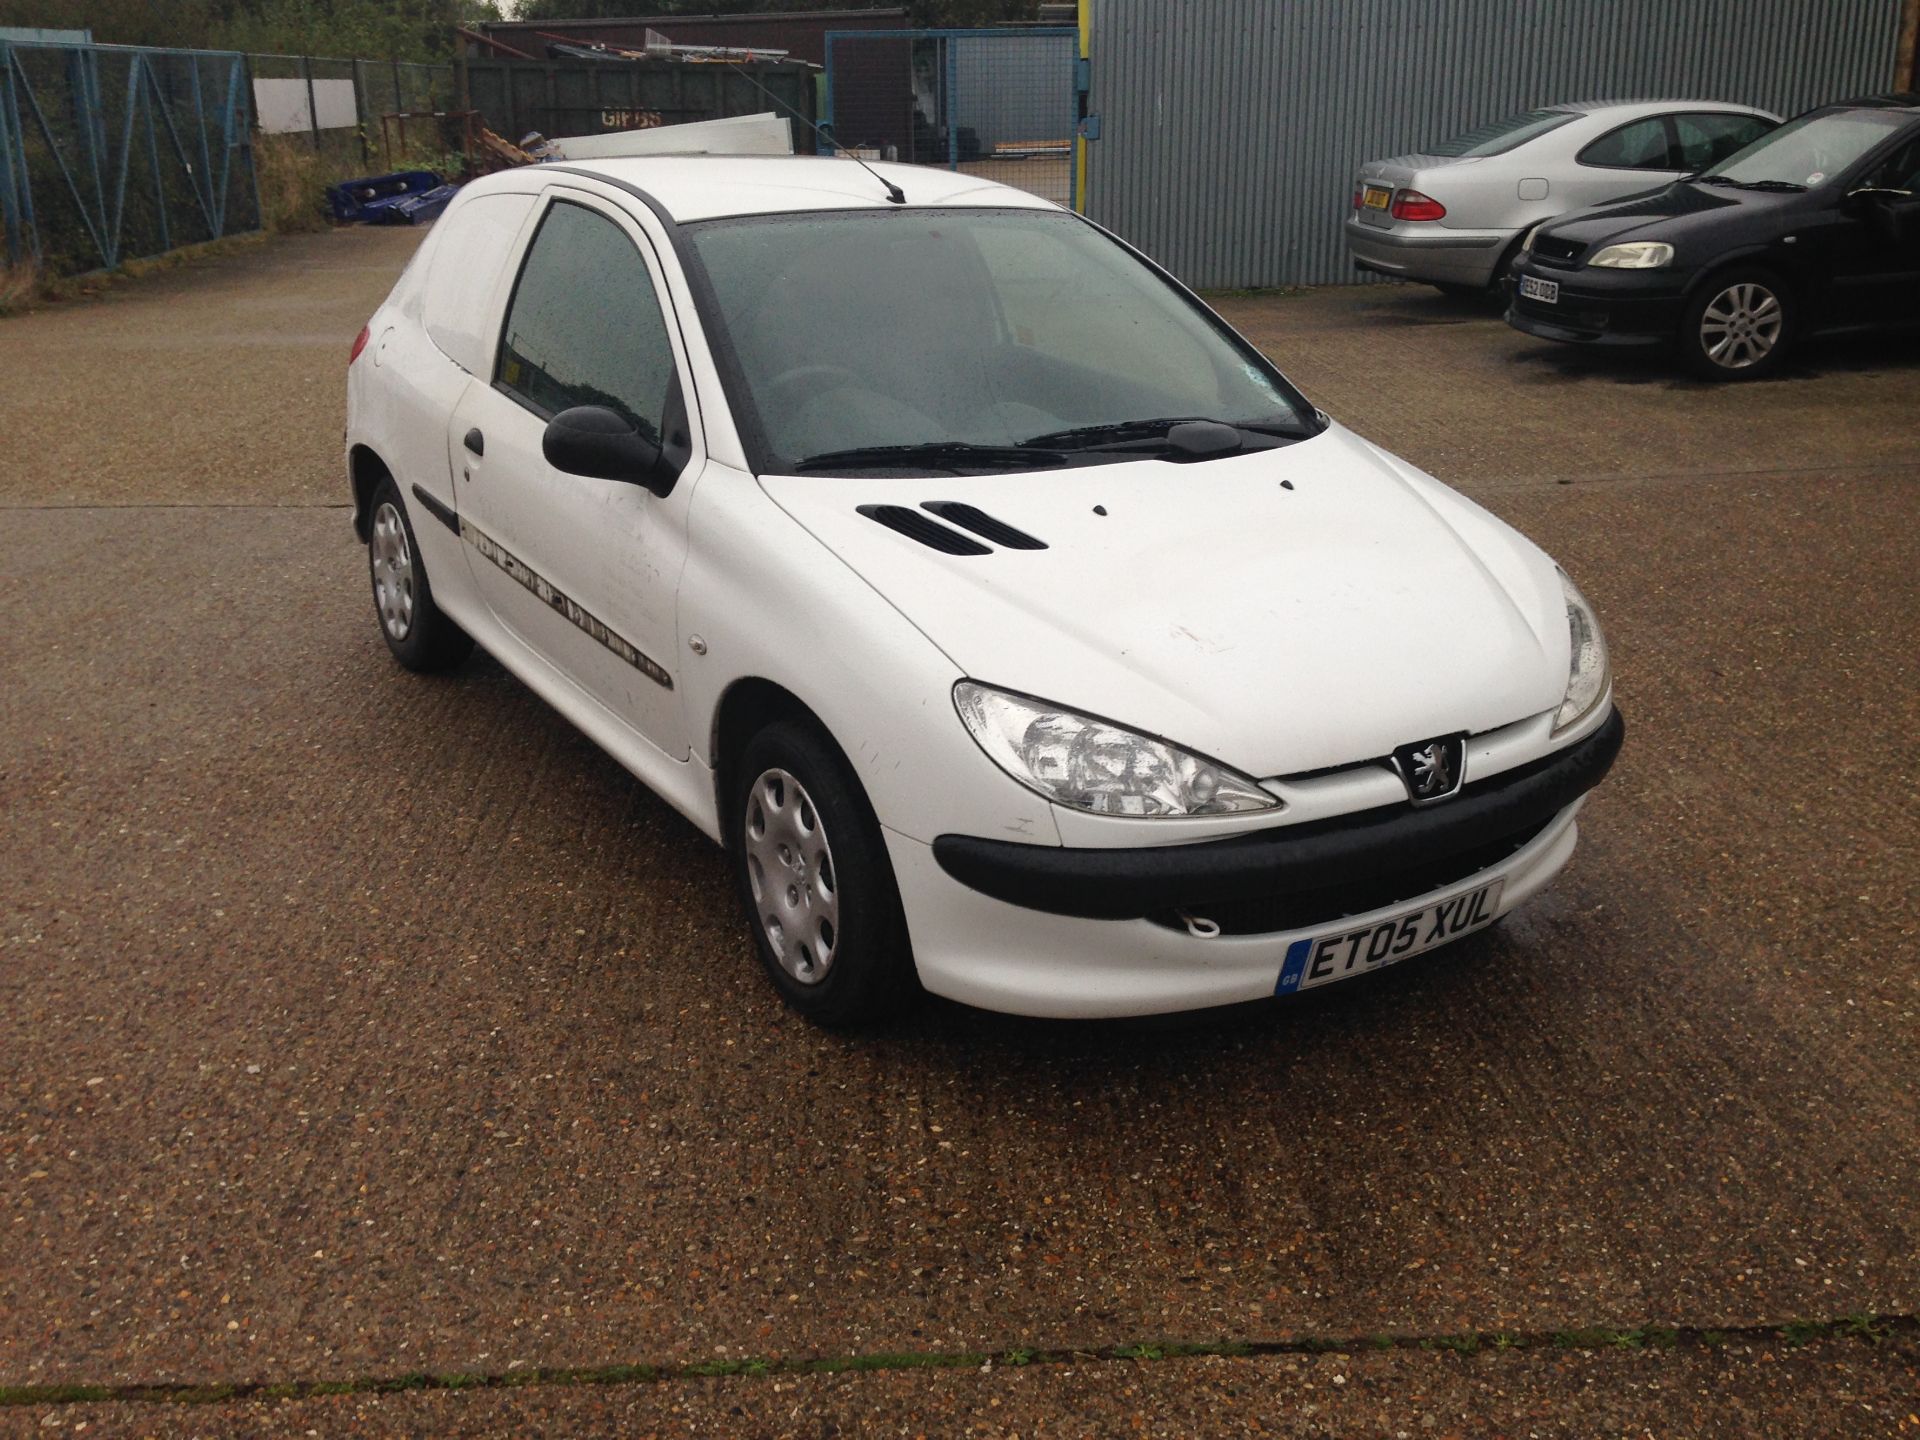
(979, 338)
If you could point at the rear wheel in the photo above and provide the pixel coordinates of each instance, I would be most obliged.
(418, 634)
(813, 877)
(1494, 291)
(1739, 326)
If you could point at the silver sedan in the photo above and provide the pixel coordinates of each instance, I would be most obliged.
(1454, 213)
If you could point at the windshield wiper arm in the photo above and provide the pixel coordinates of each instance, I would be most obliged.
(941, 454)
(1118, 430)
(1712, 180)
(1769, 185)
(1088, 437)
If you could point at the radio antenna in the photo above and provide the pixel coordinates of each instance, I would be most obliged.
(894, 193)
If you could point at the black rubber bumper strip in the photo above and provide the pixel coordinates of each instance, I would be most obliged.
(443, 513)
(1131, 883)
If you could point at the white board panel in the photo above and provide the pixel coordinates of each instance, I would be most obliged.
(763, 134)
(282, 105)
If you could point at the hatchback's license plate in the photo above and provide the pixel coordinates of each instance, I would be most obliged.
(1547, 292)
(1376, 197)
(1323, 959)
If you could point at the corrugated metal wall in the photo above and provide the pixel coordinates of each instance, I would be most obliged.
(1230, 129)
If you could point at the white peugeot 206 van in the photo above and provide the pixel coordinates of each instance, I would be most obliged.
(1016, 626)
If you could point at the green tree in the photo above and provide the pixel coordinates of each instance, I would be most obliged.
(374, 29)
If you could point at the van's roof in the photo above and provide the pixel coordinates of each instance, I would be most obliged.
(707, 187)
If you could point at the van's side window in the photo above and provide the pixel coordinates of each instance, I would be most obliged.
(584, 327)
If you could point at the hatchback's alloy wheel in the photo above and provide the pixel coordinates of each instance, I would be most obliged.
(1740, 326)
(790, 870)
(392, 560)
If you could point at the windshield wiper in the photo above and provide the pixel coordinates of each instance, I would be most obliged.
(1118, 430)
(1094, 437)
(941, 454)
(1768, 185)
(1712, 180)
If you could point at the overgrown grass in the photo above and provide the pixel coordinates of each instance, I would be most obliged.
(19, 286)
(294, 174)
(293, 178)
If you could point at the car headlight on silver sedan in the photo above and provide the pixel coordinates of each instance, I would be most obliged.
(1092, 764)
(1634, 255)
(1588, 672)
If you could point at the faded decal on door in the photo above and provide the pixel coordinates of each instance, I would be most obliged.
(564, 603)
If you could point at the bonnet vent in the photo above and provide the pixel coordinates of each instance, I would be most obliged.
(968, 517)
(928, 532)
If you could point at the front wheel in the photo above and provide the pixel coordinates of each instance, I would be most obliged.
(1739, 326)
(813, 877)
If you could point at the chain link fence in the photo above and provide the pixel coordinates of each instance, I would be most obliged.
(999, 103)
(111, 153)
(337, 105)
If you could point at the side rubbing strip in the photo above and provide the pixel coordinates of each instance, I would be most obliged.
(439, 512)
(564, 603)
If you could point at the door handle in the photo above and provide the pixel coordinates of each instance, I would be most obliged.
(476, 442)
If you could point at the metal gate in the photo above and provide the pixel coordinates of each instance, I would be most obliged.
(111, 152)
(1000, 103)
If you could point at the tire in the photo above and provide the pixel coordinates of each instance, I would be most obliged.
(419, 635)
(1494, 291)
(814, 880)
(1748, 316)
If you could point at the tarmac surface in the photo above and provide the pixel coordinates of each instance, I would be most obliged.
(356, 1026)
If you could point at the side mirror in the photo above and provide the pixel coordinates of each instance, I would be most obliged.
(594, 441)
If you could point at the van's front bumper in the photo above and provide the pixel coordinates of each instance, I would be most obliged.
(1047, 930)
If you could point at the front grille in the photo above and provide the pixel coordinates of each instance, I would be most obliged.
(1299, 909)
(1552, 250)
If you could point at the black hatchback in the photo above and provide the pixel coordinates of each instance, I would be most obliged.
(1812, 229)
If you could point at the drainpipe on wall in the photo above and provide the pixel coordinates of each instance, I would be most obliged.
(1906, 64)
(1080, 106)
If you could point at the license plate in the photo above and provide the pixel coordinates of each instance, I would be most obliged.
(1323, 959)
(1547, 292)
(1376, 197)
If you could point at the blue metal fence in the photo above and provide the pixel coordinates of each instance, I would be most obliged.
(110, 152)
(999, 103)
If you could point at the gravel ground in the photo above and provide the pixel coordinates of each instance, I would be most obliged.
(327, 1054)
(1818, 1392)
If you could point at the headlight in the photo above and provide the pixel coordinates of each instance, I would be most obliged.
(1587, 670)
(1526, 245)
(1077, 760)
(1635, 255)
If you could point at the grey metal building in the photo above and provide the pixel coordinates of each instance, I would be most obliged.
(1230, 129)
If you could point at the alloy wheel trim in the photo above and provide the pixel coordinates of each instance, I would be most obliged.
(1741, 326)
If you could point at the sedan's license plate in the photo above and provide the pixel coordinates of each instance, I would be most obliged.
(1323, 959)
(1547, 292)
(1376, 197)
